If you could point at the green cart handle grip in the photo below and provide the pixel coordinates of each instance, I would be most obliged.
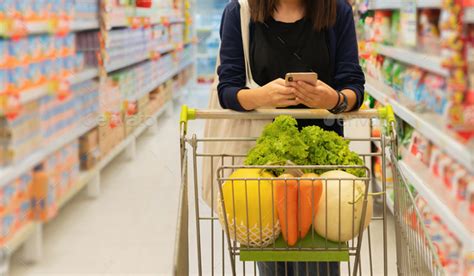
(186, 115)
(387, 114)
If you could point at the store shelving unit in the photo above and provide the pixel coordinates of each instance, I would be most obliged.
(90, 179)
(12, 172)
(75, 26)
(30, 235)
(422, 179)
(409, 56)
(396, 4)
(453, 212)
(35, 93)
(428, 124)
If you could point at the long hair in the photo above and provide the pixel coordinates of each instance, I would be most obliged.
(322, 13)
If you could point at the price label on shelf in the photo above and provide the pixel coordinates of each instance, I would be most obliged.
(408, 22)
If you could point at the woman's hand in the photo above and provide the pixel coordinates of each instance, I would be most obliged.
(320, 96)
(273, 94)
(277, 94)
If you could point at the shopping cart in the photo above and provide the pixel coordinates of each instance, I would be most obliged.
(234, 246)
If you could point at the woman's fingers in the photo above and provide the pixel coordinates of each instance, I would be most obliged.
(303, 95)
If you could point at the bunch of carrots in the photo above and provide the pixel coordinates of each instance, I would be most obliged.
(297, 204)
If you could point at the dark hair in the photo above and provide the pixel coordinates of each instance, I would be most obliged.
(321, 12)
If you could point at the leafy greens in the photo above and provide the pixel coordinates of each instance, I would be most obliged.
(281, 141)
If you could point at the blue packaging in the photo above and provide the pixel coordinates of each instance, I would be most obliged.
(3, 81)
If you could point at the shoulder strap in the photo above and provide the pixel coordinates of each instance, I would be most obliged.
(245, 24)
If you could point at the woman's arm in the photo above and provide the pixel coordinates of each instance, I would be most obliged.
(349, 77)
(232, 76)
(231, 70)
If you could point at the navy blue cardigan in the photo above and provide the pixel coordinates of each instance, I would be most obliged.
(342, 44)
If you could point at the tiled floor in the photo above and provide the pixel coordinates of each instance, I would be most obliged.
(130, 228)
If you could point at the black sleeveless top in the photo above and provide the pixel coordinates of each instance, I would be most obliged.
(270, 59)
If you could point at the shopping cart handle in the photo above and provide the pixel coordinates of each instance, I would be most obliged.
(268, 114)
(387, 114)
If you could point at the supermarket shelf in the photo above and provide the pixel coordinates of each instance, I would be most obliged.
(85, 25)
(162, 80)
(21, 236)
(427, 62)
(384, 5)
(84, 179)
(427, 124)
(396, 4)
(43, 90)
(27, 231)
(123, 63)
(12, 172)
(156, 19)
(429, 4)
(418, 175)
(76, 26)
(85, 75)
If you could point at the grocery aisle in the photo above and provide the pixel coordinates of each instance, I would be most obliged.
(129, 228)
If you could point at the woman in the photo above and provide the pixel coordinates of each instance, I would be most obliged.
(292, 36)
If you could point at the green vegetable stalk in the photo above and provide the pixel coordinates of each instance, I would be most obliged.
(281, 141)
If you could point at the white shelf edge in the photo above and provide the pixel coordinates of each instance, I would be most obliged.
(426, 124)
(395, 5)
(417, 176)
(122, 64)
(85, 75)
(10, 173)
(35, 28)
(427, 62)
(21, 236)
(135, 60)
(85, 25)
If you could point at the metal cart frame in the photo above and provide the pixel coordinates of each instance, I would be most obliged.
(388, 142)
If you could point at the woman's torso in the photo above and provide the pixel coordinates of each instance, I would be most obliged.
(270, 58)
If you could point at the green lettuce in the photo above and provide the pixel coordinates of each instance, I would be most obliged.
(281, 141)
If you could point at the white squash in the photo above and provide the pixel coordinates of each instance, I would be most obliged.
(348, 222)
(258, 229)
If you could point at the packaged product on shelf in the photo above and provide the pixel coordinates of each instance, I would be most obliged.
(387, 68)
(53, 178)
(131, 119)
(111, 132)
(89, 149)
(420, 147)
(413, 78)
(86, 10)
(447, 246)
(433, 93)
(382, 26)
(428, 31)
(20, 136)
(398, 75)
(15, 206)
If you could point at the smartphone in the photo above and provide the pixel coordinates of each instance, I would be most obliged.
(311, 78)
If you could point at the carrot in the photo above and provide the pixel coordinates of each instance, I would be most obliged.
(310, 194)
(287, 204)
